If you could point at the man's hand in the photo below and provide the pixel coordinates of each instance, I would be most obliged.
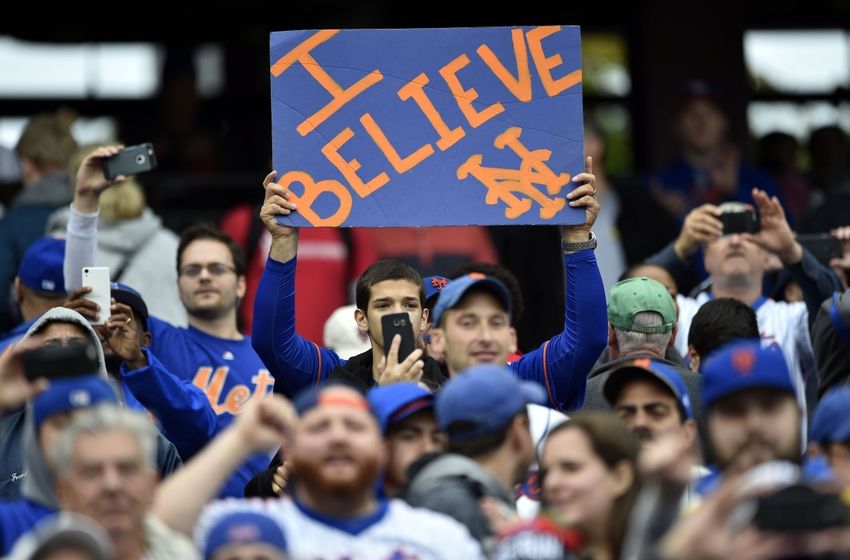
(85, 307)
(775, 234)
(842, 265)
(276, 203)
(91, 180)
(409, 370)
(266, 424)
(583, 197)
(702, 226)
(122, 333)
(280, 478)
(15, 389)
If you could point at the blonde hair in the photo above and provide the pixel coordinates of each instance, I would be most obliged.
(47, 141)
(124, 201)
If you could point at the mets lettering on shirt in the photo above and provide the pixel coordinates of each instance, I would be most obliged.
(428, 127)
(227, 397)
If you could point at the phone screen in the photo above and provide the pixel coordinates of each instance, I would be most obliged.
(398, 323)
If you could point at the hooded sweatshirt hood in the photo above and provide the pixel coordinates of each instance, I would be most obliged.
(451, 465)
(124, 237)
(39, 485)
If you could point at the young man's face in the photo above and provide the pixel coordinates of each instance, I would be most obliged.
(407, 441)
(476, 331)
(207, 280)
(650, 410)
(754, 426)
(337, 447)
(386, 298)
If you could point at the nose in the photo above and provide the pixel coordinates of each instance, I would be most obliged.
(111, 478)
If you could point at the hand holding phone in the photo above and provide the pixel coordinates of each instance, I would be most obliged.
(130, 161)
(398, 324)
(97, 278)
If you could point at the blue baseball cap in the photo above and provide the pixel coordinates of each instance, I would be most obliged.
(647, 367)
(63, 395)
(457, 288)
(831, 422)
(244, 527)
(128, 296)
(394, 403)
(484, 398)
(742, 365)
(41, 266)
(433, 286)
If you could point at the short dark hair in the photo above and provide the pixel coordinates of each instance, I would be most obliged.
(720, 321)
(502, 274)
(482, 445)
(386, 269)
(206, 231)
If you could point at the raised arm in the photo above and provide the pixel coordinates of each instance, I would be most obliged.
(294, 362)
(81, 243)
(562, 363)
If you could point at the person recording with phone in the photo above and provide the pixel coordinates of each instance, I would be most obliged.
(736, 262)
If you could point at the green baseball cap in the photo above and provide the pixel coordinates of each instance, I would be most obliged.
(635, 295)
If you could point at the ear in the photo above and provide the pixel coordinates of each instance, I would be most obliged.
(690, 429)
(362, 320)
(241, 287)
(693, 357)
(612, 341)
(815, 450)
(424, 323)
(673, 333)
(513, 346)
(146, 339)
(622, 477)
(19, 291)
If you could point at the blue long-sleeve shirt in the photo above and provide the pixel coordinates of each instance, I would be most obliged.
(182, 409)
(561, 364)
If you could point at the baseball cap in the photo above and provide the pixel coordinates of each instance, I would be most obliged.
(454, 291)
(635, 295)
(742, 365)
(63, 395)
(394, 403)
(41, 266)
(244, 527)
(433, 286)
(831, 423)
(484, 398)
(316, 396)
(657, 369)
(342, 334)
(128, 296)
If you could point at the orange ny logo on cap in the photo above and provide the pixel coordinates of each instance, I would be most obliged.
(744, 360)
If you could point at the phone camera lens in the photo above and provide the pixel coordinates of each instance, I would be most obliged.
(140, 159)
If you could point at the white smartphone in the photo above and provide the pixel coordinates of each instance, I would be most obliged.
(97, 277)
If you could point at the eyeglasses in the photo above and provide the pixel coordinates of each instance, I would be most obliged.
(215, 269)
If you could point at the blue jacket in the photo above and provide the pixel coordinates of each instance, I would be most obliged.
(17, 518)
(561, 364)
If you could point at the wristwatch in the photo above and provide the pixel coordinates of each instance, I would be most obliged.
(580, 246)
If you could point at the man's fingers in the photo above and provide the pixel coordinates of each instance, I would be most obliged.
(411, 359)
(588, 165)
(586, 200)
(392, 355)
(269, 178)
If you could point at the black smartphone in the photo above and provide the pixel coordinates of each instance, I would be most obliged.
(800, 508)
(823, 246)
(130, 161)
(739, 220)
(398, 323)
(56, 361)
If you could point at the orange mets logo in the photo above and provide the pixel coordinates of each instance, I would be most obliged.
(744, 360)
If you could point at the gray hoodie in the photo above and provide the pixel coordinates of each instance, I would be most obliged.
(38, 483)
(453, 484)
(143, 252)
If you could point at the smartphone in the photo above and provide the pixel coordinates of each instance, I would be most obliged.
(398, 323)
(737, 217)
(823, 246)
(800, 508)
(97, 277)
(130, 161)
(55, 361)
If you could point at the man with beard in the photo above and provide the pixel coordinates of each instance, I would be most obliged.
(333, 444)
(752, 415)
(211, 352)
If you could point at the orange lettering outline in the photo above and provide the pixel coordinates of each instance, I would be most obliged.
(399, 163)
(520, 86)
(465, 97)
(415, 90)
(349, 168)
(544, 64)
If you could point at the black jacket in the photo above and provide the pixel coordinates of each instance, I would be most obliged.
(357, 372)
